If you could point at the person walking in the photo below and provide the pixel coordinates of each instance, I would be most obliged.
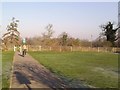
(20, 50)
(14, 48)
(24, 50)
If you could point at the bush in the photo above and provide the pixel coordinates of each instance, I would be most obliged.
(107, 44)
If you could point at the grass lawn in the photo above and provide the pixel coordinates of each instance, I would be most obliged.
(95, 69)
(7, 58)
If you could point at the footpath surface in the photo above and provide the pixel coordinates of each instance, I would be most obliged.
(28, 74)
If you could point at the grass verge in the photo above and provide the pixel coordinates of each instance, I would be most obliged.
(7, 58)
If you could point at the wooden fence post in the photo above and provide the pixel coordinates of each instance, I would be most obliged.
(60, 49)
(98, 49)
(71, 48)
(105, 49)
(40, 48)
(50, 48)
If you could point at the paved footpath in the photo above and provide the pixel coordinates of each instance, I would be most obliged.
(27, 74)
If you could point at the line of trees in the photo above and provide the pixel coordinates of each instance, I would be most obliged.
(108, 38)
(64, 39)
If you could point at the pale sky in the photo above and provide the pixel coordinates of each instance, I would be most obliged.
(78, 19)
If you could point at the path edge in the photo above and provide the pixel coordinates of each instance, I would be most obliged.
(12, 67)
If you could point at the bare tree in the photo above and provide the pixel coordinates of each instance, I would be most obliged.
(49, 32)
(48, 35)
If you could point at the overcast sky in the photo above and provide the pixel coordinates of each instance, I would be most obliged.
(78, 19)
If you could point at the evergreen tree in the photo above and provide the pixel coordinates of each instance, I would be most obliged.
(12, 36)
(110, 32)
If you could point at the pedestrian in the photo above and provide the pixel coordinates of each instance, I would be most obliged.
(20, 50)
(14, 48)
(24, 49)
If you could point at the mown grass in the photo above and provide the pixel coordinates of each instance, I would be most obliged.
(7, 58)
(95, 69)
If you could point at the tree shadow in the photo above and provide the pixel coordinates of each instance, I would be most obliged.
(22, 79)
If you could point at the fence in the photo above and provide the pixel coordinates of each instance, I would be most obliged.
(70, 48)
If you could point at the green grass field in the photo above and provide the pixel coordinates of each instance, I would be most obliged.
(95, 69)
(7, 58)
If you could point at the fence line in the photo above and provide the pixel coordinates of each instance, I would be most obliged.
(70, 48)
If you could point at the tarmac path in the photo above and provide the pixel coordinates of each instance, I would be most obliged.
(28, 73)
